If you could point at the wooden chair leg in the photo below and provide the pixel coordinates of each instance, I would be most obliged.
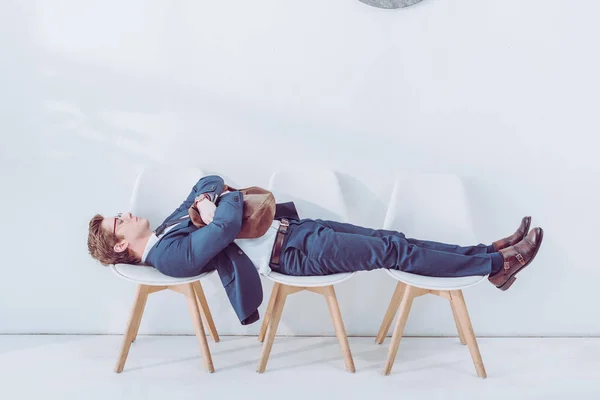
(338, 323)
(390, 313)
(141, 295)
(282, 293)
(149, 290)
(461, 335)
(465, 323)
(205, 311)
(192, 302)
(138, 322)
(404, 310)
(268, 312)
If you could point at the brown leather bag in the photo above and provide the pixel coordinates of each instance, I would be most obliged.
(258, 214)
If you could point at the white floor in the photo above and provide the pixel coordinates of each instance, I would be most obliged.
(170, 367)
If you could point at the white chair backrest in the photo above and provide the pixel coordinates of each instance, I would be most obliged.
(430, 207)
(159, 190)
(315, 192)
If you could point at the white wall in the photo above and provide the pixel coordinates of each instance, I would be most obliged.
(502, 94)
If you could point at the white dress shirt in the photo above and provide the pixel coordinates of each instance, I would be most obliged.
(259, 249)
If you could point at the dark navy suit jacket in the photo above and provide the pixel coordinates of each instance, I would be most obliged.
(187, 251)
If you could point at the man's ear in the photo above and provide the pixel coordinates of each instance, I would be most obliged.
(121, 246)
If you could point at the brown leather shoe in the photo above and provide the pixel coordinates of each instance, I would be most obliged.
(516, 258)
(515, 237)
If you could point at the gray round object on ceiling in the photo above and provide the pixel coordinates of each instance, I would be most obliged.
(390, 3)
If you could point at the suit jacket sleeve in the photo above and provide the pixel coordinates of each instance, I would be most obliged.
(210, 184)
(205, 243)
(191, 253)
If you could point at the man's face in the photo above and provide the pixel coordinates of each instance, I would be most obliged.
(126, 225)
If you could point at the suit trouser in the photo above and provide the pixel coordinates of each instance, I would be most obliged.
(318, 247)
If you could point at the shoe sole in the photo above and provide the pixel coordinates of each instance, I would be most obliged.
(527, 226)
(513, 278)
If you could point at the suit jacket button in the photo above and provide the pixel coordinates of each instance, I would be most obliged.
(240, 252)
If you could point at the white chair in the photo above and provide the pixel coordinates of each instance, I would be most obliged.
(316, 194)
(422, 206)
(157, 192)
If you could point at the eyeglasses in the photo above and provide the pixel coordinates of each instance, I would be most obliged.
(117, 218)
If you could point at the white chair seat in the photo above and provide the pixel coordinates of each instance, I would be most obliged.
(310, 281)
(150, 276)
(432, 283)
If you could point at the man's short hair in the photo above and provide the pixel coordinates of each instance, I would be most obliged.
(101, 245)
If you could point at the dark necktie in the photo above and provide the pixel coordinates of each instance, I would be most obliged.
(159, 231)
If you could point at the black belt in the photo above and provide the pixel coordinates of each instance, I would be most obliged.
(281, 232)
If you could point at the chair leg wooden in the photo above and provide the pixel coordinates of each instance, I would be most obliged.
(338, 323)
(141, 295)
(268, 312)
(205, 311)
(192, 302)
(465, 323)
(461, 335)
(404, 310)
(150, 290)
(138, 321)
(390, 313)
(282, 293)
